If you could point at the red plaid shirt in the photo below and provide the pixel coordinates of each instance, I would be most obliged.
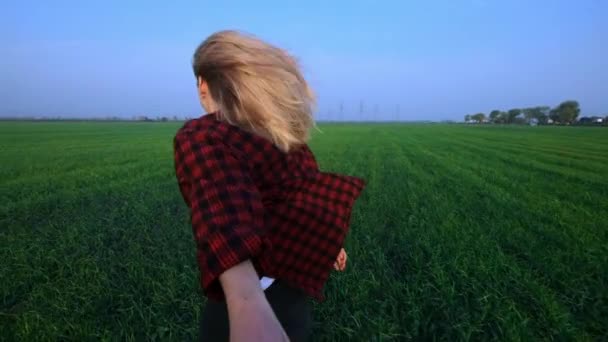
(249, 200)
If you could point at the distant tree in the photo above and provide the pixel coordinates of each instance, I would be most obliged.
(503, 117)
(567, 111)
(528, 114)
(512, 114)
(494, 115)
(541, 113)
(174, 117)
(520, 120)
(164, 119)
(467, 118)
(479, 117)
(554, 115)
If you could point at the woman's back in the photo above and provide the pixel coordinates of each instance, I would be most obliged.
(305, 211)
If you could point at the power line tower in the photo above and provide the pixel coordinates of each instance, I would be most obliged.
(341, 110)
(397, 110)
(375, 113)
(361, 110)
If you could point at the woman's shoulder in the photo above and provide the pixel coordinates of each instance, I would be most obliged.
(209, 130)
(248, 147)
(199, 127)
(206, 130)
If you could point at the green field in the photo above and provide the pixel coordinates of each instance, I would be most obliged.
(463, 232)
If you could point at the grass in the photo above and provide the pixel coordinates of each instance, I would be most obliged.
(463, 233)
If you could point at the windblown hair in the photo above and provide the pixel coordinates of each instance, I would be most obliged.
(257, 87)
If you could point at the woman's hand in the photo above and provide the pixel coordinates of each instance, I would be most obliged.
(340, 263)
(250, 315)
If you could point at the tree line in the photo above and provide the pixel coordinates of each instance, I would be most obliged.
(565, 113)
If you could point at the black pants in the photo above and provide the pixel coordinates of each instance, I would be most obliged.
(291, 306)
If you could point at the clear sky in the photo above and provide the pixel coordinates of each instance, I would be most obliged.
(434, 59)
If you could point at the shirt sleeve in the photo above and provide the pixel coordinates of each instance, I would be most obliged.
(226, 209)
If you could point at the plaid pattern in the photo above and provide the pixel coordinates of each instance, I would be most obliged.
(249, 200)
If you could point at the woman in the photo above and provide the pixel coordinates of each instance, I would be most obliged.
(268, 224)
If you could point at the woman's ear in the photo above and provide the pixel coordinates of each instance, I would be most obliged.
(203, 88)
(204, 96)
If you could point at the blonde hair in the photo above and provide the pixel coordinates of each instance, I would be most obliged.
(256, 86)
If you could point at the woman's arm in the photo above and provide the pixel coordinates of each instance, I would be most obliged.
(251, 317)
(227, 215)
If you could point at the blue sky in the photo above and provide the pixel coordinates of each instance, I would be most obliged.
(434, 59)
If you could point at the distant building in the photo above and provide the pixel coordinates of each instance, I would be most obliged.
(591, 120)
(584, 120)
